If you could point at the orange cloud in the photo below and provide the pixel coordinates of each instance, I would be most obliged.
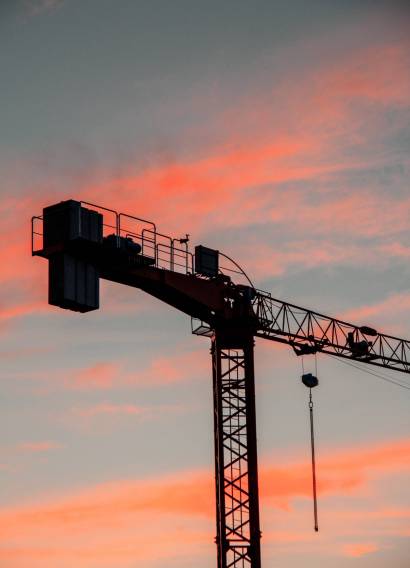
(99, 520)
(16, 311)
(218, 187)
(240, 182)
(340, 472)
(204, 190)
(360, 549)
(150, 542)
(160, 371)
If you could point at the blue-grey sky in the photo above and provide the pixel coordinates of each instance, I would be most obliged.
(277, 132)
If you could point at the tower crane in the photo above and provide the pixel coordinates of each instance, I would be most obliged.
(84, 242)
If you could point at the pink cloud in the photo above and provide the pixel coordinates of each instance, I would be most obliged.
(161, 370)
(377, 74)
(110, 409)
(264, 261)
(393, 309)
(357, 550)
(39, 447)
(239, 181)
(396, 249)
(99, 375)
(213, 189)
(18, 311)
(133, 410)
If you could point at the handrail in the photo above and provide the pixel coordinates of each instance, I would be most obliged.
(136, 219)
(156, 234)
(105, 209)
(175, 251)
(33, 232)
(149, 238)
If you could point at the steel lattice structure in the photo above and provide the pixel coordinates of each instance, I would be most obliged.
(84, 242)
(238, 534)
(309, 332)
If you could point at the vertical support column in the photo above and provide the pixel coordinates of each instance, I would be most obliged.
(236, 472)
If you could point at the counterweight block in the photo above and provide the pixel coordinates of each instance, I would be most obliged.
(73, 283)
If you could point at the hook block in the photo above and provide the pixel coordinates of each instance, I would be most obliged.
(310, 380)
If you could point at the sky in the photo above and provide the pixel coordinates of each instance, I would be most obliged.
(277, 132)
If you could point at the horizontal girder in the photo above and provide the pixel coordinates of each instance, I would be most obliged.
(310, 332)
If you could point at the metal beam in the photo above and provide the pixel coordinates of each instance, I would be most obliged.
(236, 470)
(311, 332)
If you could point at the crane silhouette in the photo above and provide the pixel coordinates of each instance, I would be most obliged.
(84, 242)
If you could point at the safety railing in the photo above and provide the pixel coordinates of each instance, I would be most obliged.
(161, 248)
(36, 234)
(37, 229)
(112, 223)
(166, 252)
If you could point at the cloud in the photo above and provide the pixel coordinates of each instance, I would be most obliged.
(160, 371)
(303, 137)
(396, 249)
(111, 410)
(267, 261)
(360, 549)
(340, 472)
(98, 375)
(37, 7)
(9, 314)
(39, 447)
(185, 365)
(390, 309)
(313, 167)
(306, 159)
(376, 75)
(316, 181)
(99, 519)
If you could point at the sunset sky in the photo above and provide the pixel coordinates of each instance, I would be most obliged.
(275, 131)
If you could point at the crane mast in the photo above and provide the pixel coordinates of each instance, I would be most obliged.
(236, 471)
(84, 242)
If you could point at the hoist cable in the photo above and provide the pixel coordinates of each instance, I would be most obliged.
(378, 375)
(312, 438)
(312, 445)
